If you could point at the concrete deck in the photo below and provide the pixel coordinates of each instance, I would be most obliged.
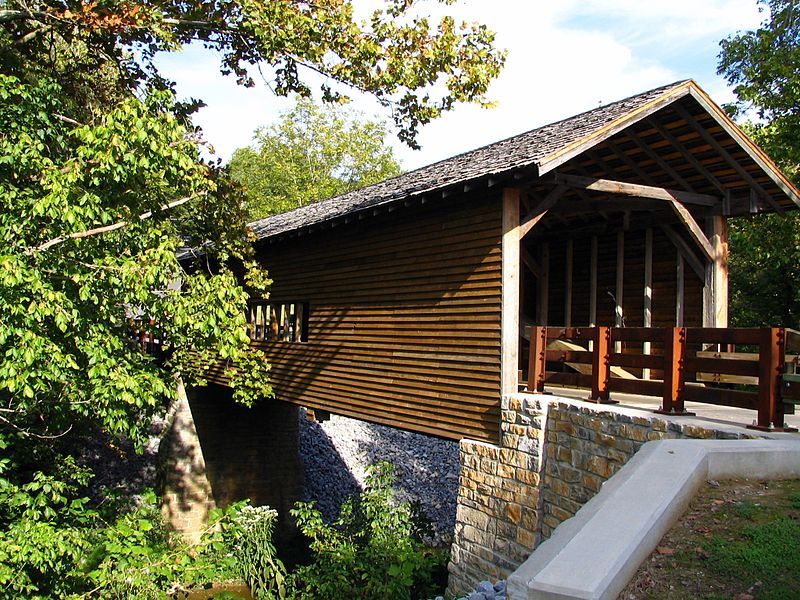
(722, 415)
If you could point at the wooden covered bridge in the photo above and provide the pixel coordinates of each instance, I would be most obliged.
(410, 302)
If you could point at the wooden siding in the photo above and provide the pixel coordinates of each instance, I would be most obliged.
(404, 320)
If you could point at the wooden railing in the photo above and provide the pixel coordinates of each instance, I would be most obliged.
(149, 337)
(677, 364)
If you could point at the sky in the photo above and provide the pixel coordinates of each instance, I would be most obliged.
(564, 57)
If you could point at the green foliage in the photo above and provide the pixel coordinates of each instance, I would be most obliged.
(248, 533)
(764, 67)
(369, 552)
(67, 297)
(313, 153)
(55, 546)
(417, 67)
(765, 271)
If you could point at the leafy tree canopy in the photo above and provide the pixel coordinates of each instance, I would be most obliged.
(314, 152)
(764, 67)
(415, 67)
(101, 186)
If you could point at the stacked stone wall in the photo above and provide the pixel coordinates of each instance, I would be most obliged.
(499, 505)
(586, 444)
(554, 455)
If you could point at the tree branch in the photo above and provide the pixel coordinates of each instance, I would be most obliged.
(105, 229)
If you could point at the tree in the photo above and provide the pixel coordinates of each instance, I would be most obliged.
(764, 68)
(314, 152)
(101, 186)
(410, 65)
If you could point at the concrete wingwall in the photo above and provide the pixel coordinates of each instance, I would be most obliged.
(554, 455)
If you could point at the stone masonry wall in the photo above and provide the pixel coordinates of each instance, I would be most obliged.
(498, 506)
(554, 455)
(587, 443)
(218, 452)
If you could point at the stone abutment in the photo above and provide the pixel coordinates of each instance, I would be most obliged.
(554, 455)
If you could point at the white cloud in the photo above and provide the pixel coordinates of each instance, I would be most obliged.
(564, 57)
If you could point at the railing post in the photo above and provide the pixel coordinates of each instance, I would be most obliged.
(537, 359)
(674, 375)
(771, 363)
(600, 360)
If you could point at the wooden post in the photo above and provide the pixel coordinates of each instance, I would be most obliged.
(509, 327)
(537, 360)
(620, 286)
(600, 360)
(544, 284)
(647, 318)
(568, 286)
(679, 306)
(674, 355)
(593, 287)
(719, 279)
(771, 361)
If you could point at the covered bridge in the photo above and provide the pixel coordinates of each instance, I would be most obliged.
(405, 303)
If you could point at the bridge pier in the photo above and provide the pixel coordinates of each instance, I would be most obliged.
(217, 452)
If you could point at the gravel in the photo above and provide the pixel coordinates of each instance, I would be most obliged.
(337, 452)
(485, 590)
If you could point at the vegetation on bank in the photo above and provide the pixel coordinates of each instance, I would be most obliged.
(739, 539)
(375, 549)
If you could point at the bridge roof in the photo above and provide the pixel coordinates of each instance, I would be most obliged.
(536, 152)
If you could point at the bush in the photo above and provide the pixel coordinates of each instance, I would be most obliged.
(248, 534)
(372, 551)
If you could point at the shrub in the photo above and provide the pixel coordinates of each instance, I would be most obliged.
(248, 534)
(370, 552)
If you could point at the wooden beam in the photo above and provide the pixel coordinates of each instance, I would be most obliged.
(726, 156)
(509, 324)
(689, 156)
(718, 229)
(634, 189)
(694, 229)
(568, 286)
(683, 248)
(679, 301)
(619, 317)
(660, 162)
(593, 283)
(538, 213)
(754, 203)
(530, 262)
(632, 164)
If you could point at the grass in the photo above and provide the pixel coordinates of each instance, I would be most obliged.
(739, 539)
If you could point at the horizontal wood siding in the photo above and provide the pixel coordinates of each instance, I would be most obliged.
(404, 320)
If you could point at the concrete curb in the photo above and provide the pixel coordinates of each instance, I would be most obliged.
(594, 554)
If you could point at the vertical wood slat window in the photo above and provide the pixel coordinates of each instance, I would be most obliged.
(277, 321)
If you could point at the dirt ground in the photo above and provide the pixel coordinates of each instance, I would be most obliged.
(686, 564)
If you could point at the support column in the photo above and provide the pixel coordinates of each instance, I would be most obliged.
(510, 294)
(715, 291)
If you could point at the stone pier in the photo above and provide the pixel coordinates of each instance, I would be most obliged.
(217, 452)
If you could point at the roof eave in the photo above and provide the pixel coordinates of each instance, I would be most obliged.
(753, 151)
(562, 155)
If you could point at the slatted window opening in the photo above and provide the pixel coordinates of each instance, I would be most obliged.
(277, 321)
